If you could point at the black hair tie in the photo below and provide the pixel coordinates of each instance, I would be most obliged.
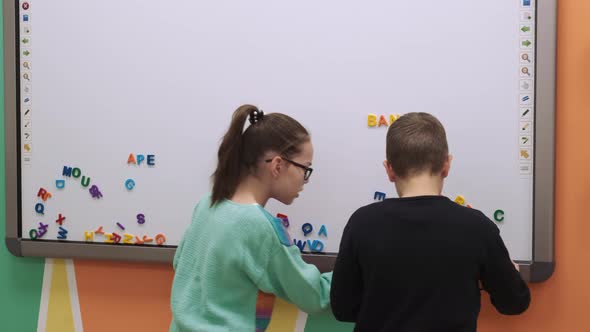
(255, 116)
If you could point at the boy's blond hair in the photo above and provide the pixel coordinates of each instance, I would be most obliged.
(416, 143)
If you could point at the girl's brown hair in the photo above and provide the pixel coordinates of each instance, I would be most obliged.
(240, 150)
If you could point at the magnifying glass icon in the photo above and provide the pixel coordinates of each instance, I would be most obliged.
(525, 70)
(526, 57)
(26, 65)
(26, 76)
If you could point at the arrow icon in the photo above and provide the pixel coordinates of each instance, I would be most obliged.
(26, 53)
(525, 28)
(25, 40)
(526, 43)
(524, 154)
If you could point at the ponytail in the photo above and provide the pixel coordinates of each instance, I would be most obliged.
(241, 150)
(228, 173)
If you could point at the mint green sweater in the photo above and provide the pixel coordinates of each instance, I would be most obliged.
(229, 252)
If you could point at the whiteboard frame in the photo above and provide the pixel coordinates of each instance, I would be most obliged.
(539, 269)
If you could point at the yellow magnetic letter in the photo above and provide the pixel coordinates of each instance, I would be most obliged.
(372, 120)
(460, 200)
(128, 238)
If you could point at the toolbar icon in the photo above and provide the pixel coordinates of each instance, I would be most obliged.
(526, 43)
(525, 29)
(525, 154)
(526, 112)
(525, 71)
(526, 169)
(526, 85)
(525, 99)
(526, 16)
(525, 126)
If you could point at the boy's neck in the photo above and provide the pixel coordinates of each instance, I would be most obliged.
(419, 185)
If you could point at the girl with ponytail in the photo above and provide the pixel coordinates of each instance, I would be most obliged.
(234, 248)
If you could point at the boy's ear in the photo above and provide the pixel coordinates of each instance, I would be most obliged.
(447, 166)
(389, 170)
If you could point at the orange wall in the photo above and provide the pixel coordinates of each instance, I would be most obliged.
(116, 292)
(563, 302)
(132, 297)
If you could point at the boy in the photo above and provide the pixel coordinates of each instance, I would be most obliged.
(414, 263)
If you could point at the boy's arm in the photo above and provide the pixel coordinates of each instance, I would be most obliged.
(508, 292)
(346, 291)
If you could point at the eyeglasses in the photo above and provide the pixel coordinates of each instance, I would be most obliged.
(307, 170)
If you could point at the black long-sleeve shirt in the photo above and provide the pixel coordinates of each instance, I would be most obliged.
(414, 265)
